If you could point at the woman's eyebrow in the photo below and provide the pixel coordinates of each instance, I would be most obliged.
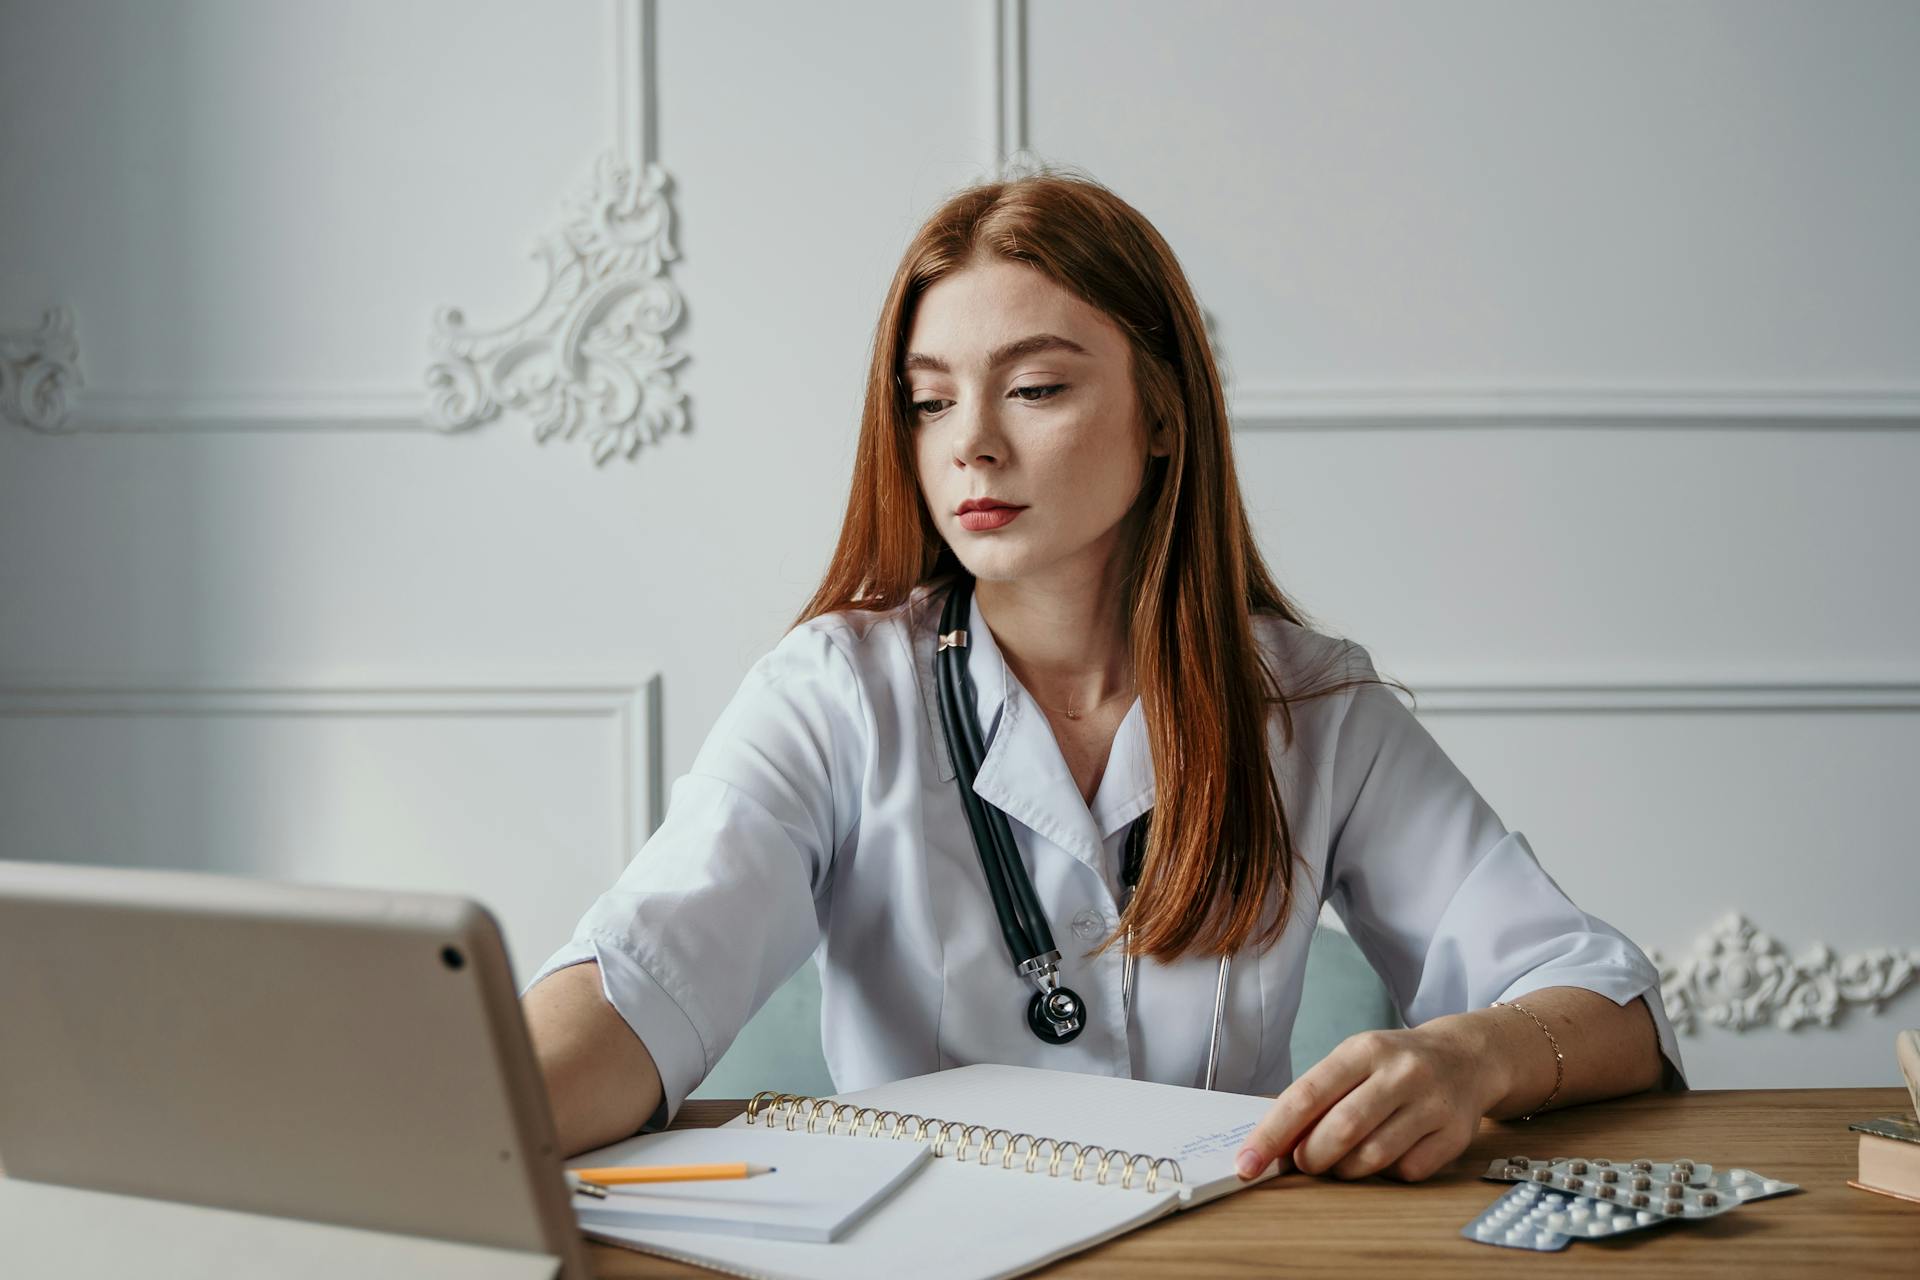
(1012, 351)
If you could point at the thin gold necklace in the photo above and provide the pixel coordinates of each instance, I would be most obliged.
(1071, 714)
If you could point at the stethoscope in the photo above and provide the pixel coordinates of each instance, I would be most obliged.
(1056, 1013)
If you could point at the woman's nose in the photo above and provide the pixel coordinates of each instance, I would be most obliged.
(978, 437)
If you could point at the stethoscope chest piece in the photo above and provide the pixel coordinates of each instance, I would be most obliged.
(1056, 1016)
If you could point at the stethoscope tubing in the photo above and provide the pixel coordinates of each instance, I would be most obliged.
(984, 845)
(1022, 919)
(1023, 923)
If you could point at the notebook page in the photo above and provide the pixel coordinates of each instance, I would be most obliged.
(816, 1193)
(951, 1220)
(1202, 1129)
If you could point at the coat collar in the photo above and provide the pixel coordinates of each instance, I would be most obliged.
(1024, 773)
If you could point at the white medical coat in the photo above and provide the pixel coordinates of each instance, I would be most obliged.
(821, 818)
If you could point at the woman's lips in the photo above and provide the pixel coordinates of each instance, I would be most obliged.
(990, 518)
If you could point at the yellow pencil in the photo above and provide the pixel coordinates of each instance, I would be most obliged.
(619, 1174)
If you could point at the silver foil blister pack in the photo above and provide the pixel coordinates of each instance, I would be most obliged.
(1572, 1198)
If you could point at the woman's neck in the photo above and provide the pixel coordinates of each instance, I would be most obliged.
(1066, 639)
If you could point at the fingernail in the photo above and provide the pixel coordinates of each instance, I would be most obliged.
(1250, 1164)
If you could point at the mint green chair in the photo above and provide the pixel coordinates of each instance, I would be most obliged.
(780, 1047)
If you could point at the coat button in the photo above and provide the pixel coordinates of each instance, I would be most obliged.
(1088, 924)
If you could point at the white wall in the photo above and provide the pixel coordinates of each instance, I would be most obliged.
(1575, 350)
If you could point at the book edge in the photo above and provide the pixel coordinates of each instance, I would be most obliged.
(1858, 1185)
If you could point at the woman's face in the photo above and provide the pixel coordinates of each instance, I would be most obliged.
(1050, 426)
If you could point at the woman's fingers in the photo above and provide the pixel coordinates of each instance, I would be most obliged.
(1300, 1104)
(1389, 1141)
(1347, 1124)
(1431, 1154)
(1382, 1100)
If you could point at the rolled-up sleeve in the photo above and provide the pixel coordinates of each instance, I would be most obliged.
(721, 904)
(1451, 908)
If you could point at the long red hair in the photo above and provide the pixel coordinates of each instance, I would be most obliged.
(1219, 845)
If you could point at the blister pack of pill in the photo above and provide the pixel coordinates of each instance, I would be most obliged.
(1546, 1213)
(1584, 1173)
(1530, 1217)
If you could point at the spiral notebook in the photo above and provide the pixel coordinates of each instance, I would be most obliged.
(1070, 1160)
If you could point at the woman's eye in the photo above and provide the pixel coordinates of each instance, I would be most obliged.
(922, 408)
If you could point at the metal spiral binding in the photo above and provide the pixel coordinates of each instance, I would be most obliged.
(768, 1106)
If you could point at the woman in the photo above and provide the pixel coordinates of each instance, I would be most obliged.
(1127, 654)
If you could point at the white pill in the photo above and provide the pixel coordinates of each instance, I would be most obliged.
(1579, 1213)
(1596, 1228)
(1642, 1217)
(1603, 1211)
(1773, 1184)
(1545, 1239)
(1557, 1220)
(1622, 1223)
(1741, 1175)
(1745, 1190)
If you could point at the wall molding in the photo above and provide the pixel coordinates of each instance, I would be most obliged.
(1272, 407)
(1561, 697)
(1275, 406)
(282, 411)
(39, 372)
(1007, 93)
(588, 359)
(632, 705)
(590, 356)
(1740, 978)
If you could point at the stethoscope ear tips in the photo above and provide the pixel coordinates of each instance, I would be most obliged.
(1055, 1016)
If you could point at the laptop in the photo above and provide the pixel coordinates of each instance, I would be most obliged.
(216, 1075)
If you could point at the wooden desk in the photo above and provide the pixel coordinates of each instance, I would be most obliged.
(1317, 1226)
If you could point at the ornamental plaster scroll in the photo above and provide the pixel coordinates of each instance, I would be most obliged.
(591, 355)
(1739, 978)
(38, 372)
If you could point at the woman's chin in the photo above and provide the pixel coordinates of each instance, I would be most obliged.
(996, 564)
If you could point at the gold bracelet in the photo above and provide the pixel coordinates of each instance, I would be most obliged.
(1559, 1062)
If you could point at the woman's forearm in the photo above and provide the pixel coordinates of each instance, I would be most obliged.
(1607, 1049)
(601, 1081)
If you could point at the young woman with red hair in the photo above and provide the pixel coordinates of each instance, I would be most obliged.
(1045, 458)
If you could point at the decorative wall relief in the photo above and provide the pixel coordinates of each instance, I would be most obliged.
(591, 354)
(39, 370)
(1740, 978)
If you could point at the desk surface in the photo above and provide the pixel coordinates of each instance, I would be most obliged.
(1324, 1227)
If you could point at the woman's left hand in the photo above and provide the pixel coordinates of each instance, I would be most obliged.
(1402, 1102)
